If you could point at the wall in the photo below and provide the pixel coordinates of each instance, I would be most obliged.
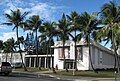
(101, 58)
(84, 64)
(57, 62)
(15, 57)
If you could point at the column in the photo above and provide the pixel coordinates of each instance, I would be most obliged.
(51, 62)
(34, 61)
(45, 62)
(40, 62)
(30, 62)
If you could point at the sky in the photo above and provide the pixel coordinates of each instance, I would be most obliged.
(50, 10)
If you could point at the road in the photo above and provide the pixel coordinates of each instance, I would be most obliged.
(28, 77)
(15, 76)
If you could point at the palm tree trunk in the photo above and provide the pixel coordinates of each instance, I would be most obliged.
(65, 65)
(117, 60)
(51, 55)
(75, 52)
(75, 63)
(6, 57)
(115, 52)
(36, 50)
(90, 57)
(20, 50)
(22, 58)
(11, 57)
(47, 53)
(116, 56)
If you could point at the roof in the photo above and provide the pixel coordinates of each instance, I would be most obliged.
(83, 43)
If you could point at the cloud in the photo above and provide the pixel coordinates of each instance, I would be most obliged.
(46, 11)
(3, 27)
(7, 35)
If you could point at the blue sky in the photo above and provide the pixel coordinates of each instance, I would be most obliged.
(50, 10)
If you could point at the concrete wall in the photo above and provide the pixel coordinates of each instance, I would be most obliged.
(57, 62)
(15, 57)
(102, 59)
(84, 64)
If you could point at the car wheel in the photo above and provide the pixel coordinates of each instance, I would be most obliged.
(6, 74)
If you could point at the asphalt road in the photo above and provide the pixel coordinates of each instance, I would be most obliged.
(15, 76)
(28, 77)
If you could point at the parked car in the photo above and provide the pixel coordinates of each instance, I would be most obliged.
(5, 67)
(16, 65)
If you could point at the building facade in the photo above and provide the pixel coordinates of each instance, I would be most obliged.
(12, 57)
(102, 57)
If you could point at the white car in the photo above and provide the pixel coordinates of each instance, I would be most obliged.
(16, 65)
(5, 67)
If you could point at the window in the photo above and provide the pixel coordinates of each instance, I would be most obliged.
(66, 52)
(79, 53)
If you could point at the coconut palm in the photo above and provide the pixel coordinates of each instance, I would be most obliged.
(110, 20)
(89, 24)
(49, 31)
(1, 44)
(63, 31)
(34, 23)
(9, 47)
(16, 18)
(12, 47)
(73, 19)
(6, 49)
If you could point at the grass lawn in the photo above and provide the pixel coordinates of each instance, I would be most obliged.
(101, 74)
(30, 69)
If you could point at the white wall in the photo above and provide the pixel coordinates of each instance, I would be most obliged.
(56, 60)
(102, 59)
(15, 57)
(84, 64)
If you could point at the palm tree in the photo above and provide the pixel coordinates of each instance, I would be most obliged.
(89, 24)
(34, 23)
(6, 49)
(63, 31)
(16, 19)
(110, 20)
(73, 19)
(49, 31)
(9, 47)
(12, 47)
(1, 45)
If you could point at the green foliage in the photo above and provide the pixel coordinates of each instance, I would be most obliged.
(9, 46)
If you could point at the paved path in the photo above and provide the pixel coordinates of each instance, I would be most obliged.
(74, 78)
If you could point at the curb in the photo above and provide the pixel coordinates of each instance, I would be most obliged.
(69, 77)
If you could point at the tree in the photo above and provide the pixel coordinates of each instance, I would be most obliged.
(16, 18)
(34, 23)
(1, 44)
(9, 47)
(110, 20)
(6, 49)
(49, 31)
(62, 31)
(89, 24)
(29, 43)
(73, 19)
(12, 47)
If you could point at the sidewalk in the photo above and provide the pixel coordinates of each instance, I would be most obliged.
(73, 78)
(76, 78)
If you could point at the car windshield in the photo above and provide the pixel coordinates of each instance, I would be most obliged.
(5, 64)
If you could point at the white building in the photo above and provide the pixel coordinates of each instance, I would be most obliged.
(102, 57)
(12, 57)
